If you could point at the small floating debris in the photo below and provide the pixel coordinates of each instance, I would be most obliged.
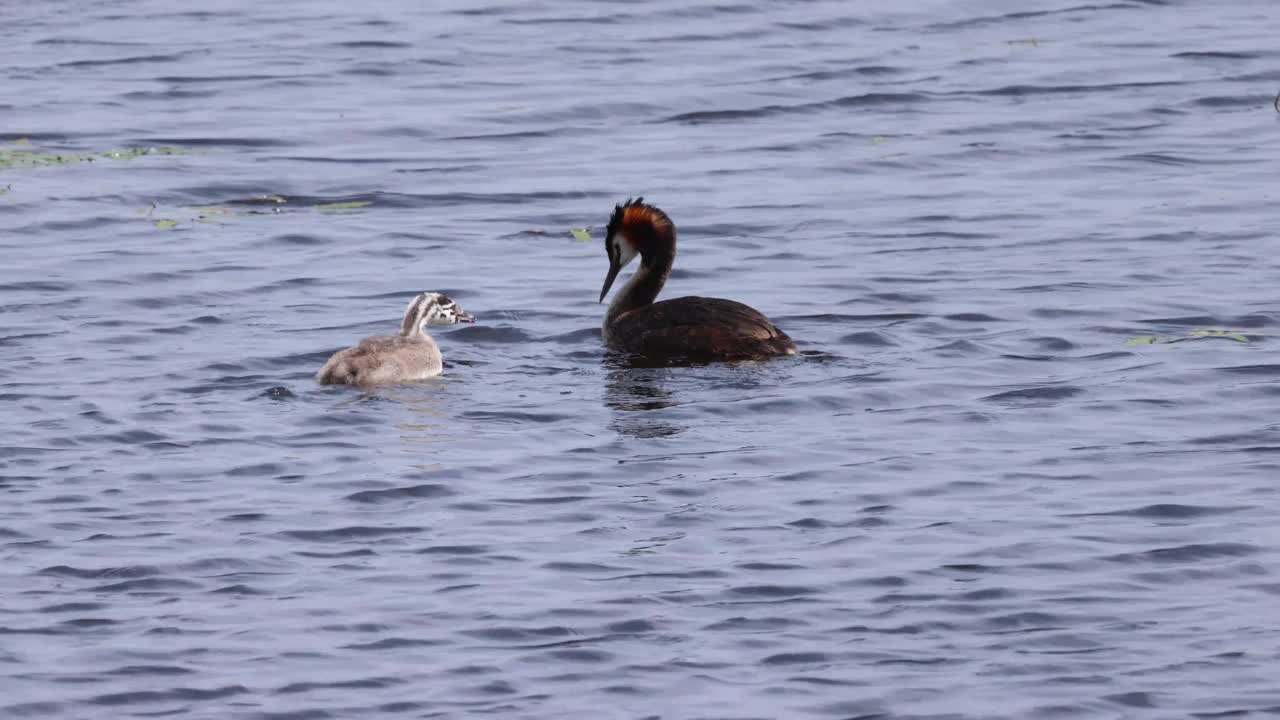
(259, 200)
(250, 205)
(348, 205)
(279, 392)
(1219, 332)
(21, 156)
(580, 234)
(1197, 334)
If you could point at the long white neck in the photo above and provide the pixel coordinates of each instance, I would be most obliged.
(622, 298)
(641, 290)
(415, 317)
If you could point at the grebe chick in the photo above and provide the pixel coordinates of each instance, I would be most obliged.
(411, 355)
(692, 328)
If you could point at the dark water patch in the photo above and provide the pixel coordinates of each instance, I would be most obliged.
(146, 585)
(578, 655)
(1154, 158)
(457, 550)
(88, 623)
(1246, 441)
(299, 239)
(1133, 699)
(1033, 90)
(230, 78)
(198, 141)
(519, 135)
(490, 334)
(1215, 55)
(1195, 552)
(1168, 511)
(520, 635)
(1230, 101)
(35, 286)
(1034, 395)
(958, 348)
(1262, 370)
(773, 591)
(703, 117)
(426, 490)
(576, 337)
(74, 607)
(1013, 17)
(338, 554)
(169, 95)
(1053, 344)
(354, 532)
(393, 643)
(581, 568)
(373, 683)
(150, 670)
(868, 339)
(172, 695)
(238, 589)
(512, 417)
(128, 60)
(124, 571)
(258, 470)
(842, 73)
(34, 709)
(797, 658)
(373, 44)
(7, 630)
(246, 517)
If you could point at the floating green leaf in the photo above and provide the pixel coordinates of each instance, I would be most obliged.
(349, 205)
(1219, 332)
(580, 234)
(166, 223)
(1196, 334)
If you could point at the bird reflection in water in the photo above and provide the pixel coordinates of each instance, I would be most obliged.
(424, 425)
(636, 394)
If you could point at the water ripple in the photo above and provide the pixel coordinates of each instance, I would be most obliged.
(1023, 466)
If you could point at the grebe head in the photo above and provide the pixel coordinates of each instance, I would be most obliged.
(635, 228)
(432, 308)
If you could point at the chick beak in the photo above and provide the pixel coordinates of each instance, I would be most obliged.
(465, 317)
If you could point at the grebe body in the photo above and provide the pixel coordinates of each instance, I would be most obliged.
(388, 359)
(698, 329)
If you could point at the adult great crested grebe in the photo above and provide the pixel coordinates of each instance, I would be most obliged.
(692, 328)
(386, 359)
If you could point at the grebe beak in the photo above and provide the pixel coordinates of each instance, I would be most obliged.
(466, 317)
(614, 268)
